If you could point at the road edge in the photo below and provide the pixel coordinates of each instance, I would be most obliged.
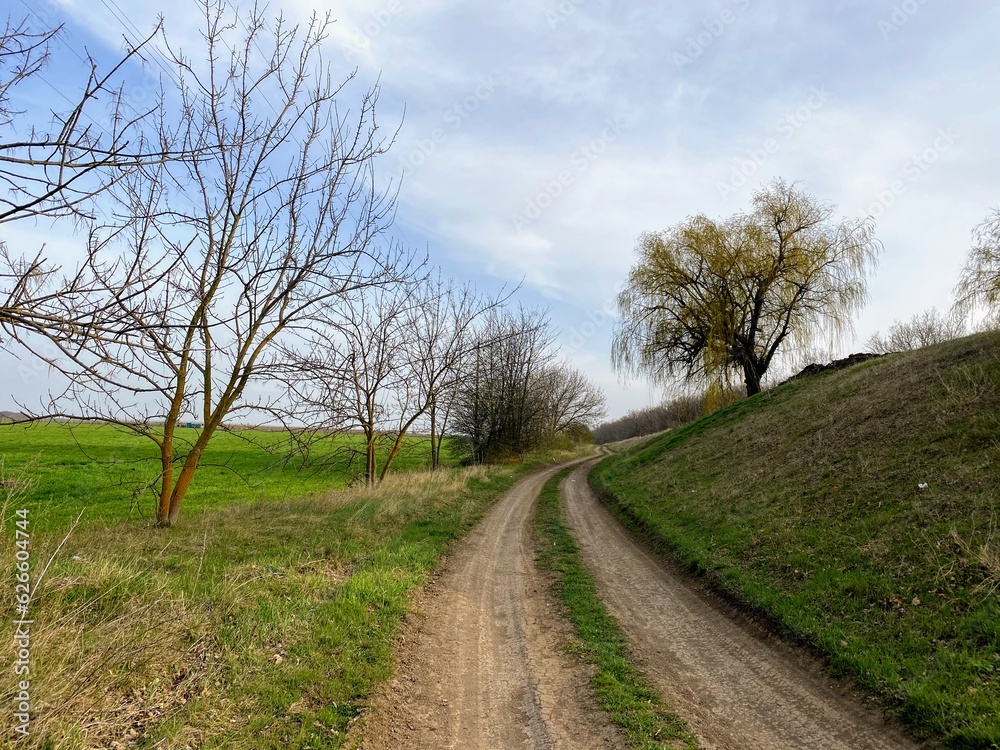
(715, 592)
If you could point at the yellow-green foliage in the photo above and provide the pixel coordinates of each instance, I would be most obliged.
(709, 298)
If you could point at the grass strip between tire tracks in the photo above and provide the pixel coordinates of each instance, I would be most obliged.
(621, 691)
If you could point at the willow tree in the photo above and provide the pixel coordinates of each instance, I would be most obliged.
(708, 299)
(979, 286)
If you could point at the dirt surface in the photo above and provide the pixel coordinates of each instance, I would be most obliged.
(737, 688)
(484, 666)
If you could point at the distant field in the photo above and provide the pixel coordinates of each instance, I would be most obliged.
(106, 472)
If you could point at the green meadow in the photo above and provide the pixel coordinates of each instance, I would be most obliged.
(109, 474)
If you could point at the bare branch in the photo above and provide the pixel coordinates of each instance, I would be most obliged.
(222, 261)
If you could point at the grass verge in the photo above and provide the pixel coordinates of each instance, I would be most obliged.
(856, 510)
(251, 626)
(621, 691)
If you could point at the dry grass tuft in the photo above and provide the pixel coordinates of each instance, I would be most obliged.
(113, 654)
(982, 550)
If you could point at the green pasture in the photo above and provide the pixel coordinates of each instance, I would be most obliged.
(109, 473)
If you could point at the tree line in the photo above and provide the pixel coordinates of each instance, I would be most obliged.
(236, 259)
(668, 415)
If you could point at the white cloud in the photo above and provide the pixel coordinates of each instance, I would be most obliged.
(560, 75)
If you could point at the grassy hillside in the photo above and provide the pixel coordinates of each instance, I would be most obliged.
(628, 443)
(858, 509)
(107, 471)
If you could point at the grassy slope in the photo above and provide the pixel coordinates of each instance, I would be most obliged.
(100, 467)
(804, 502)
(634, 442)
(261, 625)
(621, 691)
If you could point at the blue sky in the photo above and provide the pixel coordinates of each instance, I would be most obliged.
(541, 137)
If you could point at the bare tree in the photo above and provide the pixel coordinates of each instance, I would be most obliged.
(442, 338)
(513, 398)
(572, 400)
(923, 329)
(355, 370)
(387, 362)
(279, 220)
(497, 405)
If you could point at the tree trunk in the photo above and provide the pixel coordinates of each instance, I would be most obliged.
(434, 455)
(396, 447)
(441, 435)
(751, 377)
(370, 460)
(166, 481)
(183, 482)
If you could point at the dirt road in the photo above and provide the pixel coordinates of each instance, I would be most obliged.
(737, 689)
(484, 667)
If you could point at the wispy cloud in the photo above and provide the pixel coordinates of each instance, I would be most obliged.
(504, 102)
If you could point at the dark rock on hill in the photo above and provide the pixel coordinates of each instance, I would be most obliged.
(837, 364)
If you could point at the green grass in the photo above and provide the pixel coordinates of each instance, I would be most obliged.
(106, 471)
(262, 625)
(805, 504)
(262, 620)
(631, 702)
(633, 442)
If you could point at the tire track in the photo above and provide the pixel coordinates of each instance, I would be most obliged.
(483, 667)
(738, 690)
